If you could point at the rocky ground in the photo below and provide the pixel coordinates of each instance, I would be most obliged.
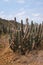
(8, 57)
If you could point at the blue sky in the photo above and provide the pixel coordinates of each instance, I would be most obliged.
(22, 9)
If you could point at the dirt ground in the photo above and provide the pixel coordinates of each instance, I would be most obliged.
(8, 57)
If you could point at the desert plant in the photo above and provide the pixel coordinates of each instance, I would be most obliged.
(26, 39)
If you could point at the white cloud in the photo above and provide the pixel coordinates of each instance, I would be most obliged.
(20, 15)
(6, 0)
(21, 1)
(10, 17)
(4, 16)
(2, 12)
(37, 17)
(36, 14)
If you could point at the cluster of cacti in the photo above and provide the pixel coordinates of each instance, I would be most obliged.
(27, 38)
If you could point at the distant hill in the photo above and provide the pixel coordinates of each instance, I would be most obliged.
(9, 23)
(6, 26)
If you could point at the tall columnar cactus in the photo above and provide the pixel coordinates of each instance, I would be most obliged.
(22, 32)
(41, 33)
(32, 25)
(26, 30)
(26, 39)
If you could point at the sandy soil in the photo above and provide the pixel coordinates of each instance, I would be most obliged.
(8, 57)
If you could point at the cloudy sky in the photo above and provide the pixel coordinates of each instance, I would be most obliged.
(22, 9)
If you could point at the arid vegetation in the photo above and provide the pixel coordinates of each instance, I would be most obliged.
(21, 44)
(23, 37)
(27, 38)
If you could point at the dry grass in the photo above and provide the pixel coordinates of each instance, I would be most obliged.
(8, 57)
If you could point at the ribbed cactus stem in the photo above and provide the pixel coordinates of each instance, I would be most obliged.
(22, 33)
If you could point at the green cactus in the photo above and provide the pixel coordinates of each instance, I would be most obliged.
(28, 40)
